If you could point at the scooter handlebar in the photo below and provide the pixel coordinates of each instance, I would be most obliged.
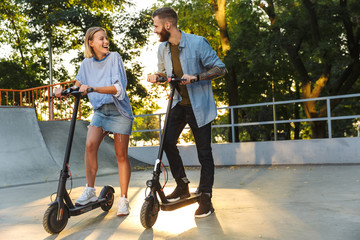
(73, 90)
(69, 90)
(172, 80)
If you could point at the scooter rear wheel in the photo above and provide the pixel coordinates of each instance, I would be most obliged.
(149, 212)
(50, 222)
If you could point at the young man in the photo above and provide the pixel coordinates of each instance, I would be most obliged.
(189, 57)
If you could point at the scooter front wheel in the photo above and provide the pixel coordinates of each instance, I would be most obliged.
(149, 212)
(107, 193)
(50, 222)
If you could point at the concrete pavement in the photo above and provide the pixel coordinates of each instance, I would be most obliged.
(277, 202)
(257, 202)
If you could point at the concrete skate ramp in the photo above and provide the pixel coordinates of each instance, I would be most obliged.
(56, 134)
(24, 157)
(33, 152)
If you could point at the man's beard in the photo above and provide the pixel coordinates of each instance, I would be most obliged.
(164, 35)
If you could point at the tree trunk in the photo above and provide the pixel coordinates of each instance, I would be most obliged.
(318, 129)
(219, 8)
(311, 112)
(231, 81)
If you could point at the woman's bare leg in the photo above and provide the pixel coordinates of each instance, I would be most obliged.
(121, 142)
(93, 140)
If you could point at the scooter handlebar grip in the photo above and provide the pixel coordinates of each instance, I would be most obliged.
(170, 79)
(161, 79)
(69, 90)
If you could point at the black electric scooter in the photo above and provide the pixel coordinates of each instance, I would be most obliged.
(59, 211)
(152, 205)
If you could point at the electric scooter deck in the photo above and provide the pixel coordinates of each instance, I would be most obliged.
(77, 210)
(169, 206)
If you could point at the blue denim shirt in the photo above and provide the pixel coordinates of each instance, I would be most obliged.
(196, 56)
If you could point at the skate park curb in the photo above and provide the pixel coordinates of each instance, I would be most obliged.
(285, 152)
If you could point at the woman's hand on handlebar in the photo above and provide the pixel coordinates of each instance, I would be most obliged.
(83, 89)
(58, 91)
(189, 79)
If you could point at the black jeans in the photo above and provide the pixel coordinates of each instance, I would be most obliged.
(179, 117)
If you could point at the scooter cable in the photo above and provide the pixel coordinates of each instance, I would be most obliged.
(67, 165)
(165, 174)
(51, 196)
(71, 180)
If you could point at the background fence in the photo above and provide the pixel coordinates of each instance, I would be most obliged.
(265, 118)
(277, 120)
(47, 107)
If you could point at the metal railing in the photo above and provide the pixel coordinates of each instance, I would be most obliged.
(39, 98)
(275, 122)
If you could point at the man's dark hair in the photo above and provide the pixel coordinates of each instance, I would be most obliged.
(166, 13)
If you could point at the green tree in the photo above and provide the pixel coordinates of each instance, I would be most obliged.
(284, 49)
(321, 40)
(28, 25)
(23, 68)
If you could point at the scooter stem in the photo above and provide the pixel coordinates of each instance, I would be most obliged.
(64, 172)
(72, 129)
(61, 192)
(161, 148)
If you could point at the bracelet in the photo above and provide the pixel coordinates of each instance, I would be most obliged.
(197, 77)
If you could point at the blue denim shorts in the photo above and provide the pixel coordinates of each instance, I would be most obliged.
(109, 119)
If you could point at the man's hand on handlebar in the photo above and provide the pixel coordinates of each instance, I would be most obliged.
(157, 78)
(153, 78)
(189, 79)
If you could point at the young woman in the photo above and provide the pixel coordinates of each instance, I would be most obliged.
(104, 72)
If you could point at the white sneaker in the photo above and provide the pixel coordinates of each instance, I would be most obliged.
(88, 195)
(124, 207)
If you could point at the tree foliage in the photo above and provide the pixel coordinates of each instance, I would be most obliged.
(321, 40)
(281, 49)
(27, 26)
